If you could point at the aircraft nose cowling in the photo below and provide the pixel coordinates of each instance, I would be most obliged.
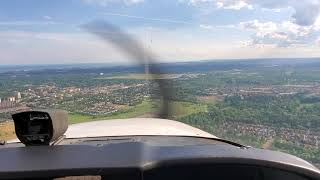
(135, 126)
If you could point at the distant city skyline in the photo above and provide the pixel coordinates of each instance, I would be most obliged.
(50, 32)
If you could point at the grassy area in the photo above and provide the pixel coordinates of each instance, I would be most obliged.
(178, 109)
(209, 99)
(182, 109)
(79, 118)
(138, 110)
(7, 131)
(129, 112)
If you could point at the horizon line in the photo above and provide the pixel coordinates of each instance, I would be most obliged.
(164, 62)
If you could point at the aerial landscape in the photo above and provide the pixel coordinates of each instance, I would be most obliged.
(265, 103)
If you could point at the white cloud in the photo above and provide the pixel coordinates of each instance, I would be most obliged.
(47, 17)
(221, 4)
(261, 29)
(280, 34)
(276, 10)
(235, 5)
(305, 11)
(167, 44)
(107, 2)
(318, 41)
(204, 26)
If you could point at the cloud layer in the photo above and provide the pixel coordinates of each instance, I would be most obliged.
(305, 11)
(204, 29)
(283, 34)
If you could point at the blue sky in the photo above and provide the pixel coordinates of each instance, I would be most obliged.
(46, 31)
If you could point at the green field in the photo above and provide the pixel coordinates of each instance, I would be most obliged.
(181, 109)
(177, 110)
(130, 112)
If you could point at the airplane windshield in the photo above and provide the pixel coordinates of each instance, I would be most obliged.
(241, 70)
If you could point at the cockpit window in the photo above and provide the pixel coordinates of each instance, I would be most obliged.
(245, 71)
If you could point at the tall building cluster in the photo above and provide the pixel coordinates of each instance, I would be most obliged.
(11, 101)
